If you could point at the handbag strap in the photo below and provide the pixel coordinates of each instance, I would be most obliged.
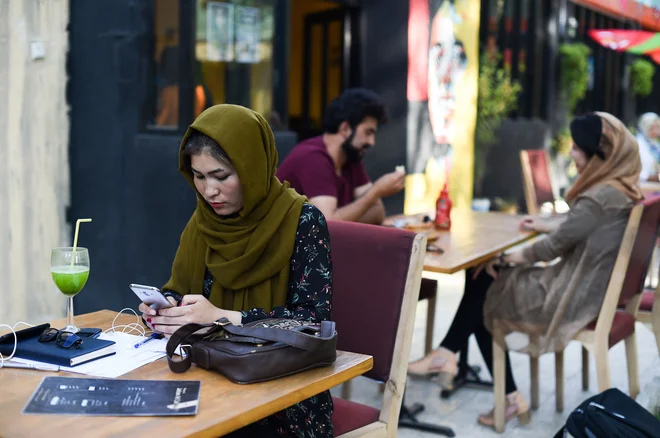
(179, 338)
(288, 337)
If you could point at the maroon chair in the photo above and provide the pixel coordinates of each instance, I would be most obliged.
(649, 297)
(537, 182)
(377, 273)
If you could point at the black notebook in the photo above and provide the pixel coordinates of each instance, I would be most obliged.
(30, 348)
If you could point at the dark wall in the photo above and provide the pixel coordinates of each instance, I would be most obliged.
(503, 177)
(384, 56)
(126, 182)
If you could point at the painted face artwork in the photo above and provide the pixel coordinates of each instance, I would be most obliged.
(447, 66)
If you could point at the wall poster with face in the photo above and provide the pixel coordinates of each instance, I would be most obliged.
(443, 52)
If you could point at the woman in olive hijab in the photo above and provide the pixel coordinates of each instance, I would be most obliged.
(253, 248)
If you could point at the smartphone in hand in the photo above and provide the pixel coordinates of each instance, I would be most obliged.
(151, 296)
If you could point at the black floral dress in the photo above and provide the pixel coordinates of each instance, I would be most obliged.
(309, 299)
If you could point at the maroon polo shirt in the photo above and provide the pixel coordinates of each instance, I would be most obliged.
(311, 172)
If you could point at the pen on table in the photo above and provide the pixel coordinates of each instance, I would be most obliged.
(153, 336)
(31, 366)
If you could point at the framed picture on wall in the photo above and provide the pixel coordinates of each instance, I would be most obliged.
(248, 34)
(219, 31)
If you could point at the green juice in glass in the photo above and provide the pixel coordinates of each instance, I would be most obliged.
(70, 279)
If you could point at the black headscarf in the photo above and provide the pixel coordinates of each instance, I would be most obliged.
(586, 131)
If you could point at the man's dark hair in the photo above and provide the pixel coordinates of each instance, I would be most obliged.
(353, 106)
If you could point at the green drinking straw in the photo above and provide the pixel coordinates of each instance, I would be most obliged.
(75, 238)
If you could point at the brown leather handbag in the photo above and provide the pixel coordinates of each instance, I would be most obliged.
(255, 352)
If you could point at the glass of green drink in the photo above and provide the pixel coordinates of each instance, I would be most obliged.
(70, 270)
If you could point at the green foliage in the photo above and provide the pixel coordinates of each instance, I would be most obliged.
(641, 77)
(574, 82)
(497, 97)
(563, 142)
(574, 72)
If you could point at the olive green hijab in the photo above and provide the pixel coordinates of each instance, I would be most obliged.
(249, 253)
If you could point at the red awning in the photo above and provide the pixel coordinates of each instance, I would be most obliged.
(648, 17)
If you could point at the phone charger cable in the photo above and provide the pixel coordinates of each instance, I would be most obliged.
(13, 331)
(133, 327)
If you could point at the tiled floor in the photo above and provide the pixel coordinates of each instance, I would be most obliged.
(461, 410)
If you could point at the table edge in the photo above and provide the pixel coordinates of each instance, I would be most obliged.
(479, 259)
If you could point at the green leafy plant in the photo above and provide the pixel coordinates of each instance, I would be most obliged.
(574, 82)
(574, 73)
(641, 77)
(497, 97)
(562, 142)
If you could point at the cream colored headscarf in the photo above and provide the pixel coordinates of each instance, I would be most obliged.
(621, 167)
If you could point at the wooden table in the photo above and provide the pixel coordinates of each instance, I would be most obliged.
(474, 238)
(224, 406)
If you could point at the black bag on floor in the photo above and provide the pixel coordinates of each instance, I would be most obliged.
(610, 414)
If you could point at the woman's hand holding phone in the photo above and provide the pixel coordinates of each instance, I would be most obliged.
(194, 308)
(148, 313)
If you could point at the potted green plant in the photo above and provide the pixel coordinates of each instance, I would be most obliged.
(497, 97)
(641, 77)
(573, 86)
(574, 77)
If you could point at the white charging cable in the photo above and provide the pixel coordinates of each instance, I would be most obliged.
(13, 331)
(133, 327)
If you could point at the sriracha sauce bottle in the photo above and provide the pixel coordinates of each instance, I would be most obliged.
(443, 210)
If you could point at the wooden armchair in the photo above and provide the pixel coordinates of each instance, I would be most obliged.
(612, 325)
(537, 181)
(377, 276)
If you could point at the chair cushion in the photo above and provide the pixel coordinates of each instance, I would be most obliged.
(646, 305)
(622, 327)
(349, 416)
(428, 289)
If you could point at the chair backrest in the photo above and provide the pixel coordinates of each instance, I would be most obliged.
(642, 252)
(627, 281)
(377, 273)
(536, 179)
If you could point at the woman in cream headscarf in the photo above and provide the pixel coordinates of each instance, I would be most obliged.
(253, 248)
(648, 138)
(556, 301)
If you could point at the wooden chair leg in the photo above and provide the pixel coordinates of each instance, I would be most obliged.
(499, 383)
(534, 381)
(655, 317)
(603, 367)
(585, 369)
(430, 325)
(631, 363)
(559, 380)
(346, 390)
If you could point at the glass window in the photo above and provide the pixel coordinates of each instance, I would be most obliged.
(163, 99)
(220, 52)
(234, 55)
